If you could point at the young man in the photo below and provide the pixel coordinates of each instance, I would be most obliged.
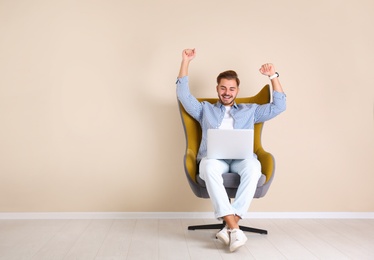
(226, 114)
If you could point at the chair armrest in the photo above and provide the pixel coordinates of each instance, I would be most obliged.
(267, 163)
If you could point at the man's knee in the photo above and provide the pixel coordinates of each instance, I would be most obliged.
(209, 167)
(251, 167)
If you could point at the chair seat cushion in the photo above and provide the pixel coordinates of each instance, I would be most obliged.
(232, 180)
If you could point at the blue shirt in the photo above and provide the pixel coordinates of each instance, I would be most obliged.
(211, 115)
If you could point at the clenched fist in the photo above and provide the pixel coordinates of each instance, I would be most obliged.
(267, 69)
(188, 54)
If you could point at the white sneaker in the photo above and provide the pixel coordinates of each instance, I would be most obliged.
(223, 236)
(237, 239)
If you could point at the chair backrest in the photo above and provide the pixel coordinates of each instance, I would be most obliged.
(193, 133)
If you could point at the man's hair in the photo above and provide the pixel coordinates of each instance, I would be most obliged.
(228, 74)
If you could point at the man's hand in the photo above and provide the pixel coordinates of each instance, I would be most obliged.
(267, 69)
(188, 54)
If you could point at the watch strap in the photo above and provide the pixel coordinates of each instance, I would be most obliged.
(276, 75)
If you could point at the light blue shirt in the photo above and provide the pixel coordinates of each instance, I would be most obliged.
(211, 115)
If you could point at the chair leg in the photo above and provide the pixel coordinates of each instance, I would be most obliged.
(254, 230)
(222, 225)
(209, 226)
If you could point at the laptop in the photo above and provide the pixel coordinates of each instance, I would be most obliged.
(230, 143)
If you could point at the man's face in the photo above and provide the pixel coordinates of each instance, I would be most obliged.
(227, 91)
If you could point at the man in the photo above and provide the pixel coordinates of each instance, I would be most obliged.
(226, 114)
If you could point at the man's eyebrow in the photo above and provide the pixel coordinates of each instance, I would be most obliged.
(223, 86)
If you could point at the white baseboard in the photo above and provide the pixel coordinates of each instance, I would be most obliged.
(182, 215)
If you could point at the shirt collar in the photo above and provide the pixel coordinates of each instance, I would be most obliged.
(220, 105)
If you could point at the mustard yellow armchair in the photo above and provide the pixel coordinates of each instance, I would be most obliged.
(192, 132)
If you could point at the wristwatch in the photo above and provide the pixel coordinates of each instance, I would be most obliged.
(276, 75)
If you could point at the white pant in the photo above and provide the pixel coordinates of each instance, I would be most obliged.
(211, 171)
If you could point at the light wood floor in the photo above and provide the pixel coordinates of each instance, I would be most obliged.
(169, 239)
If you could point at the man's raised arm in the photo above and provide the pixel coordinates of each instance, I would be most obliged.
(269, 70)
(187, 56)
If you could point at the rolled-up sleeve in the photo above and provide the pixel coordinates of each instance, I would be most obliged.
(189, 102)
(268, 111)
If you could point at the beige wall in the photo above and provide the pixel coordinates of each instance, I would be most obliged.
(88, 113)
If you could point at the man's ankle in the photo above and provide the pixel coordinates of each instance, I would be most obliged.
(230, 221)
(237, 218)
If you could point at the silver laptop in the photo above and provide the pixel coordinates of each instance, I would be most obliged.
(230, 143)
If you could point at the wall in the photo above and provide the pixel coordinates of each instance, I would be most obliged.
(89, 120)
